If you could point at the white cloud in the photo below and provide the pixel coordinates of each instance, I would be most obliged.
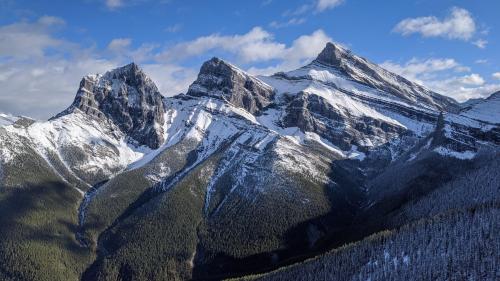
(418, 70)
(302, 50)
(481, 61)
(496, 75)
(37, 65)
(454, 88)
(113, 4)
(40, 73)
(29, 39)
(45, 86)
(458, 25)
(256, 45)
(121, 49)
(119, 44)
(171, 79)
(441, 75)
(470, 80)
(480, 43)
(323, 5)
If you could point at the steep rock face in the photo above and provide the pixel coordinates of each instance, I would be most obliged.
(127, 97)
(312, 113)
(221, 80)
(362, 70)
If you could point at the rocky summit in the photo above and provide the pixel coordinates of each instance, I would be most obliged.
(129, 98)
(244, 175)
(220, 79)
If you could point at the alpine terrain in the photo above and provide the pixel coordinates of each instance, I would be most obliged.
(338, 170)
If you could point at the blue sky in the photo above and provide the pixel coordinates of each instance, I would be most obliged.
(47, 46)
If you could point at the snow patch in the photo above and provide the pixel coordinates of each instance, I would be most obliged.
(7, 119)
(463, 155)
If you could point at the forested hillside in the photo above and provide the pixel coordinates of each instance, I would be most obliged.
(461, 245)
(449, 234)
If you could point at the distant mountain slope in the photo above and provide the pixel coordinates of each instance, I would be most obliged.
(240, 174)
(486, 110)
(6, 119)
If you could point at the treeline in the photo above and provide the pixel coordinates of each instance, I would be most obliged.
(158, 240)
(473, 187)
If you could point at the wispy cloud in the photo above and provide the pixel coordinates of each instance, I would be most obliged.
(266, 3)
(290, 22)
(496, 75)
(113, 4)
(316, 6)
(174, 28)
(323, 5)
(480, 43)
(445, 76)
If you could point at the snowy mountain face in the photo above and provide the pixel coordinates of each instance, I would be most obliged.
(365, 72)
(128, 98)
(487, 110)
(314, 149)
(6, 119)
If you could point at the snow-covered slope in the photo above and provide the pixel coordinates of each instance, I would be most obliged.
(340, 101)
(486, 110)
(7, 119)
(88, 149)
(365, 72)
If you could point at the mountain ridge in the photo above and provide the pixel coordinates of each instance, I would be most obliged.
(249, 172)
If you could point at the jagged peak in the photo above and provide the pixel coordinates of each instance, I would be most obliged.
(128, 73)
(368, 73)
(222, 80)
(333, 54)
(126, 96)
(217, 66)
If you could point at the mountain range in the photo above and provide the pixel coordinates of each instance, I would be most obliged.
(338, 170)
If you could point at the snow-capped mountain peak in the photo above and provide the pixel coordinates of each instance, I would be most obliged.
(126, 96)
(365, 72)
(334, 55)
(222, 80)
